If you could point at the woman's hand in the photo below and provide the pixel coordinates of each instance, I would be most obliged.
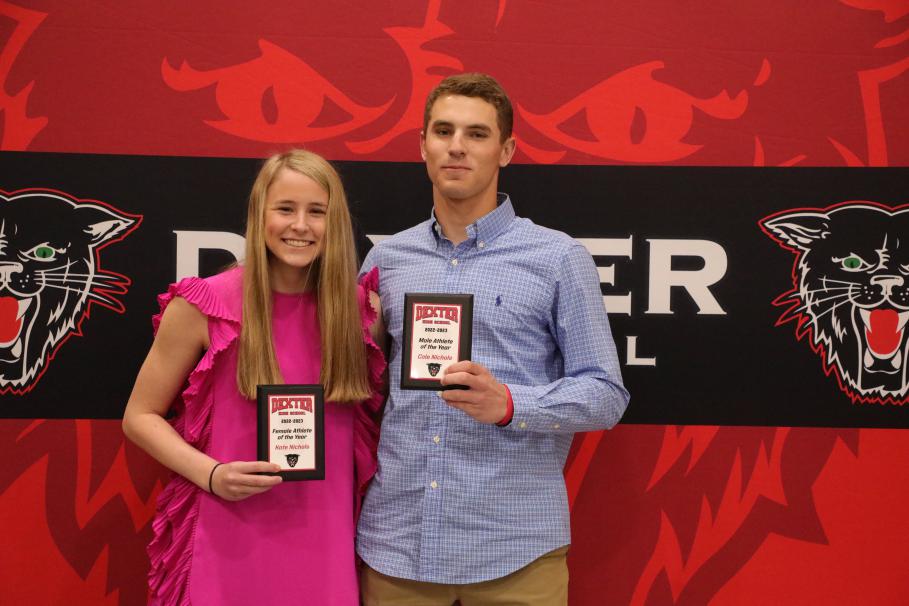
(239, 480)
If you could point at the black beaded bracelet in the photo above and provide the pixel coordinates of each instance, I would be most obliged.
(212, 475)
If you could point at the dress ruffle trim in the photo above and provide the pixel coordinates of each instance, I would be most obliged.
(170, 551)
(369, 412)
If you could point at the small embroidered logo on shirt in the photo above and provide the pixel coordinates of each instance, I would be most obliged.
(498, 300)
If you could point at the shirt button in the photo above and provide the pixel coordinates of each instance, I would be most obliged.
(434, 484)
(556, 426)
(481, 245)
(454, 261)
(437, 439)
(522, 425)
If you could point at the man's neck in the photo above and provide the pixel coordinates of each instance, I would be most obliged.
(455, 215)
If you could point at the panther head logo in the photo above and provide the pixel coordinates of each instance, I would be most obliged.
(292, 459)
(434, 368)
(851, 292)
(49, 273)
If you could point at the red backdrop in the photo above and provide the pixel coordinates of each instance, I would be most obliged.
(687, 514)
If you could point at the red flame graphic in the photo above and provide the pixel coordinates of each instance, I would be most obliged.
(18, 128)
(78, 499)
(425, 69)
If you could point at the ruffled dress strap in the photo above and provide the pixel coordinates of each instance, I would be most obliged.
(170, 550)
(369, 412)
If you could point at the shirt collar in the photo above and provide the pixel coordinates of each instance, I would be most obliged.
(486, 228)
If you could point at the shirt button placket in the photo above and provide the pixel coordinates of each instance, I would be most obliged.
(433, 515)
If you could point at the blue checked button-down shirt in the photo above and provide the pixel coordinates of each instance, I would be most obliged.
(456, 501)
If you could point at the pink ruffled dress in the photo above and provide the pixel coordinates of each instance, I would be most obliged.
(295, 543)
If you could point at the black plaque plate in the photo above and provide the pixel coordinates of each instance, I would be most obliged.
(291, 430)
(437, 333)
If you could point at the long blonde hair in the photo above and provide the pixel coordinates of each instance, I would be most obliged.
(343, 373)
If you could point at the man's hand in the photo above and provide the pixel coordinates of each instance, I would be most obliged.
(486, 401)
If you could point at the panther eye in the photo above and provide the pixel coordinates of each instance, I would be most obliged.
(853, 262)
(42, 252)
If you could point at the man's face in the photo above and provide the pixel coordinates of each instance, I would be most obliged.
(462, 148)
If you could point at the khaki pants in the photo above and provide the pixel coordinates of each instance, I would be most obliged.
(543, 582)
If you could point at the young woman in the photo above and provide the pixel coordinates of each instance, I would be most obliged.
(290, 313)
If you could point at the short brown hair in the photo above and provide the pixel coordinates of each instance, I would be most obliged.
(478, 85)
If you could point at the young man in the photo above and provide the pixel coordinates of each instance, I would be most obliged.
(469, 501)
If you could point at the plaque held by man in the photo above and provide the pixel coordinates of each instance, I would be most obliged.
(291, 430)
(438, 329)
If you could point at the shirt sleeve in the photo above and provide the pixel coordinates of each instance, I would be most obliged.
(590, 395)
(369, 262)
